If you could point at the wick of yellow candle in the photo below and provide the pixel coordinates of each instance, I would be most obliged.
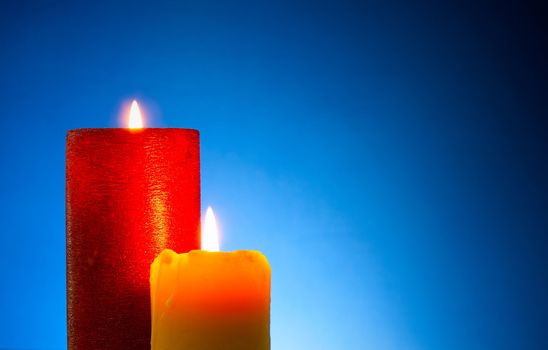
(210, 232)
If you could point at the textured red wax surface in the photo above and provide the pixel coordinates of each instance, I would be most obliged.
(129, 195)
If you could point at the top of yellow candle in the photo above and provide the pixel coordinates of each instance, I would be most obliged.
(210, 300)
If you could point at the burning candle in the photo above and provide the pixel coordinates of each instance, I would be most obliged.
(130, 193)
(209, 300)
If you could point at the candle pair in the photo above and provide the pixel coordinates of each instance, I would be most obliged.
(130, 194)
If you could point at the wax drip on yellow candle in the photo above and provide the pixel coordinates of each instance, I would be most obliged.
(135, 117)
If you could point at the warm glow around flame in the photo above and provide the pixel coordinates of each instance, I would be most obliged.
(210, 233)
(135, 117)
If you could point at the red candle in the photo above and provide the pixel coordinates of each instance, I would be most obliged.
(130, 193)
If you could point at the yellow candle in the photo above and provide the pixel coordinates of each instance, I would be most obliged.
(205, 300)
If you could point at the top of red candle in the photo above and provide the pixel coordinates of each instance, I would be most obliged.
(134, 121)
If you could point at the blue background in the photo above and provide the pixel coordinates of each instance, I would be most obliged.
(389, 159)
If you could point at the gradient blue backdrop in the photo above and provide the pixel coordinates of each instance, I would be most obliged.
(389, 159)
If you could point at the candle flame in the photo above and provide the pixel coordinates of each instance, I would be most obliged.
(210, 233)
(135, 117)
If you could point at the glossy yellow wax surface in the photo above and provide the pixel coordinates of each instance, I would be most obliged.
(210, 301)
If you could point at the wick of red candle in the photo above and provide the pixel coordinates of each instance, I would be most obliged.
(135, 120)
